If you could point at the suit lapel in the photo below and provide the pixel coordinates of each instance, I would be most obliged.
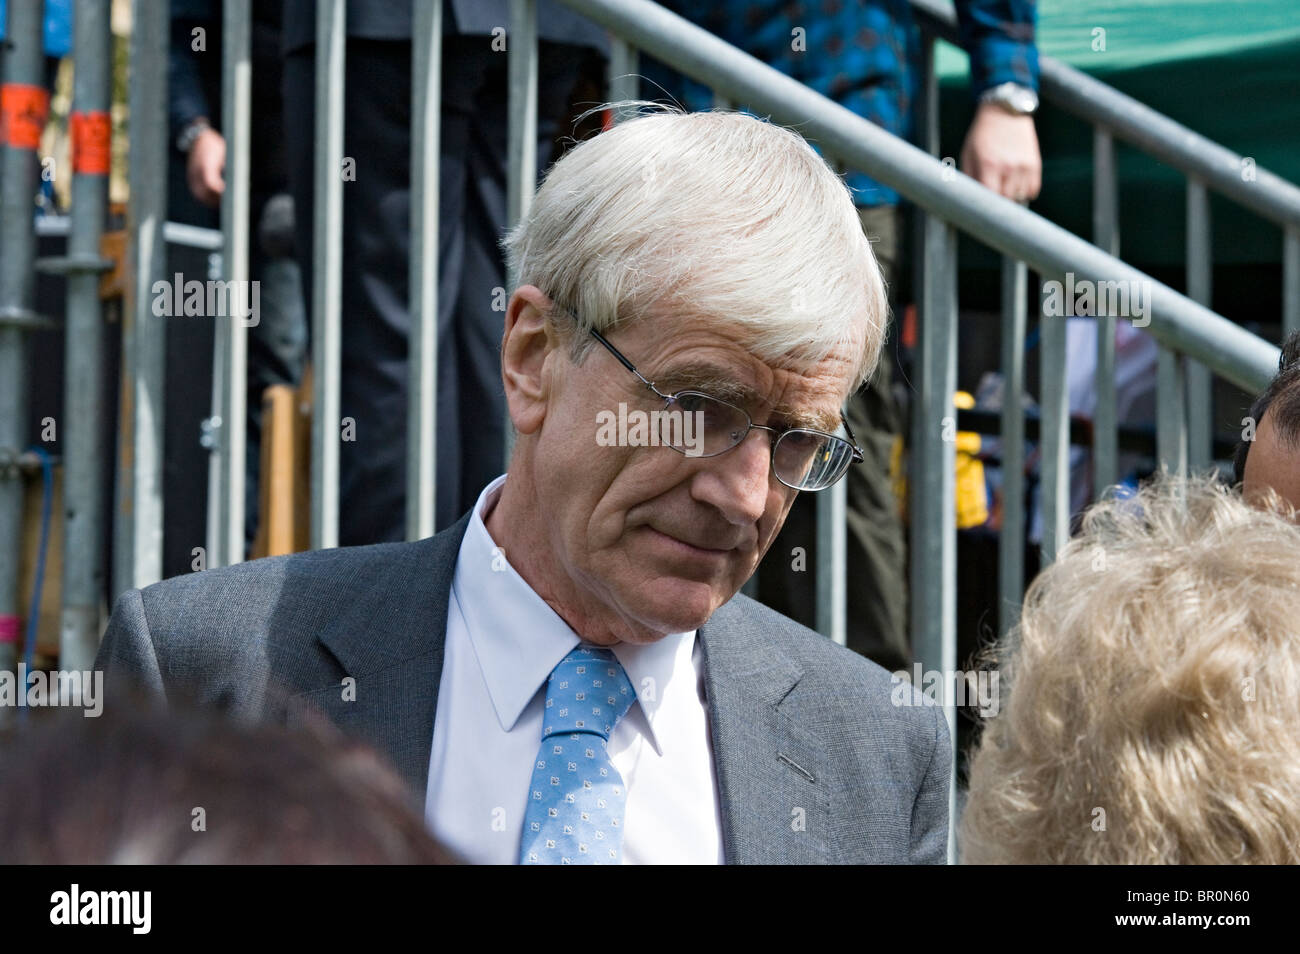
(771, 771)
(391, 642)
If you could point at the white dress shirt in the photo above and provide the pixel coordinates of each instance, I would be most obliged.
(502, 642)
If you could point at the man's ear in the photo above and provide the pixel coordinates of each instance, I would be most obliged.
(525, 345)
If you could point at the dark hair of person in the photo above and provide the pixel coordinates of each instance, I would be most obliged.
(142, 784)
(1282, 396)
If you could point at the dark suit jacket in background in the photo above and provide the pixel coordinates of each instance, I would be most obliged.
(377, 229)
(391, 20)
(814, 763)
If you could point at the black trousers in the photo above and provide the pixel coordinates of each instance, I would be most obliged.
(376, 253)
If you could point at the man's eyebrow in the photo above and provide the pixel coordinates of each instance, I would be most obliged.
(720, 382)
(712, 379)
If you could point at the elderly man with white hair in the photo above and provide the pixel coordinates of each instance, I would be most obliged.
(569, 674)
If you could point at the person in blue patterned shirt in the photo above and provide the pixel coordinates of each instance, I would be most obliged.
(864, 55)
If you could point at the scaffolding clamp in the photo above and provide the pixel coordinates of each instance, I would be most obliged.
(16, 316)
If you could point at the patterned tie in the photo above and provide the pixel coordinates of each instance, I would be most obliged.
(576, 797)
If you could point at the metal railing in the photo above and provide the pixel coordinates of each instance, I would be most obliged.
(1183, 326)
(138, 535)
(1183, 387)
(950, 202)
(18, 172)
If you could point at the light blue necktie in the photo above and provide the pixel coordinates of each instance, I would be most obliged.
(576, 797)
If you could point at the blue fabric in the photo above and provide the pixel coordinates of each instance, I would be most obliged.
(576, 797)
(861, 54)
(57, 27)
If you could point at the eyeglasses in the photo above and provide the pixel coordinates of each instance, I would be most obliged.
(802, 458)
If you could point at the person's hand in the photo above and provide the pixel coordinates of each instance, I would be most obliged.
(1001, 151)
(205, 167)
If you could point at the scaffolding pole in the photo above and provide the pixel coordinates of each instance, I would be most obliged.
(521, 141)
(83, 418)
(137, 544)
(230, 332)
(327, 275)
(422, 382)
(24, 104)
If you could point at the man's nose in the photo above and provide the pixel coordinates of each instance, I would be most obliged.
(737, 482)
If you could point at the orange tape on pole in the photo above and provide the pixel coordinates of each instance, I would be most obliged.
(23, 111)
(91, 135)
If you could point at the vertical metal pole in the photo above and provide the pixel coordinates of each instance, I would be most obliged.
(832, 544)
(521, 145)
(932, 491)
(623, 77)
(137, 552)
(211, 438)
(1200, 264)
(1054, 435)
(1290, 280)
(83, 426)
(422, 383)
(933, 480)
(1171, 412)
(25, 105)
(230, 332)
(327, 278)
(832, 556)
(1011, 540)
(1105, 235)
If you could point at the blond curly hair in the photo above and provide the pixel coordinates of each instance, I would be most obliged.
(1151, 709)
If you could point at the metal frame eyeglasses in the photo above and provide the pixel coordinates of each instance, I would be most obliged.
(801, 458)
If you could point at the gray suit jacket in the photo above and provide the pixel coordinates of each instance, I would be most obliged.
(814, 762)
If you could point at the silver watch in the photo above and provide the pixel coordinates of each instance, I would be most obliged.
(190, 134)
(1012, 97)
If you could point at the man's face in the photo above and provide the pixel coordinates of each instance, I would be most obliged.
(1271, 463)
(659, 538)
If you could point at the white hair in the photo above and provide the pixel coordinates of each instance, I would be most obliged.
(714, 214)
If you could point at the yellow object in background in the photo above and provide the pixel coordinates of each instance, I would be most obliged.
(972, 491)
(898, 476)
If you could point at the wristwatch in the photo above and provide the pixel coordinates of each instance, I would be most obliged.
(185, 141)
(1014, 98)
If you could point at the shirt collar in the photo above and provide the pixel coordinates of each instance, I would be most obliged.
(518, 639)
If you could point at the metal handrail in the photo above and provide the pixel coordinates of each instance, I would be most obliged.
(1178, 323)
(951, 201)
(1268, 194)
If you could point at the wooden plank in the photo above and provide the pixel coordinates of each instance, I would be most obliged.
(284, 486)
(47, 627)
